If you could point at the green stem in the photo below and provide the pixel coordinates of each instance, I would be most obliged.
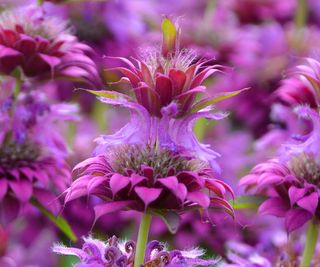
(301, 14)
(142, 239)
(17, 88)
(310, 245)
(61, 223)
(40, 2)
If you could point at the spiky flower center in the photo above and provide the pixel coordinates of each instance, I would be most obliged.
(164, 162)
(13, 154)
(180, 60)
(306, 167)
(34, 23)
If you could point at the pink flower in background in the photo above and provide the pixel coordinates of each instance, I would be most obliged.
(32, 155)
(42, 47)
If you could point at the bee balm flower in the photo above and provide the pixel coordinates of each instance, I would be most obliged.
(42, 47)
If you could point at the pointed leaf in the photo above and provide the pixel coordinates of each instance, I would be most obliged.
(218, 98)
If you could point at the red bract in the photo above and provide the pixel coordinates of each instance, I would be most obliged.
(172, 75)
(42, 47)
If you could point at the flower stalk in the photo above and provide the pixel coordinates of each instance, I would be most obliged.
(310, 245)
(142, 239)
(301, 14)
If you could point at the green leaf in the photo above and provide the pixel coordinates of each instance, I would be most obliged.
(218, 98)
(170, 218)
(107, 94)
(61, 223)
(247, 202)
(169, 33)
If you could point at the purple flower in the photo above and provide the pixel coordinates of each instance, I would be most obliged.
(32, 155)
(291, 182)
(96, 253)
(149, 178)
(170, 75)
(42, 47)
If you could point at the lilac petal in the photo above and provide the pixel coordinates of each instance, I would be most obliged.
(22, 189)
(296, 194)
(148, 195)
(3, 188)
(309, 203)
(200, 198)
(296, 218)
(118, 182)
(274, 206)
(109, 207)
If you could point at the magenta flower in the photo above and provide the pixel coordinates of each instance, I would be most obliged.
(291, 182)
(147, 178)
(42, 47)
(166, 84)
(32, 154)
(169, 75)
(114, 253)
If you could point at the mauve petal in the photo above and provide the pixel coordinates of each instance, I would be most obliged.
(269, 179)
(274, 206)
(118, 182)
(22, 189)
(96, 182)
(179, 190)
(296, 193)
(3, 188)
(248, 180)
(109, 207)
(47, 199)
(148, 195)
(309, 203)
(28, 172)
(200, 198)
(296, 218)
(136, 179)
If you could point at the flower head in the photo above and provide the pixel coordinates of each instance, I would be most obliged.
(169, 75)
(291, 181)
(32, 155)
(42, 47)
(121, 253)
(147, 178)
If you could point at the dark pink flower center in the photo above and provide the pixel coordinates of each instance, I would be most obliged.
(13, 154)
(126, 159)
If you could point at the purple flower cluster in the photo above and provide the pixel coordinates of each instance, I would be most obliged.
(196, 128)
